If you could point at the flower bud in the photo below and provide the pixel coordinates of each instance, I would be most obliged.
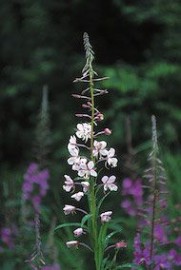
(107, 131)
(72, 244)
(121, 244)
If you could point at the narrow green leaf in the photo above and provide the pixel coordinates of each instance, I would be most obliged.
(111, 235)
(127, 265)
(68, 225)
(85, 219)
(102, 200)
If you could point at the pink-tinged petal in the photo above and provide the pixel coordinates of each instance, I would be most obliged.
(77, 196)
(85, 186)
(90, 165)
(104, 179)
(78, 232)
(69, 209)
(112, 179)
(112, 187)
(106, 216)
(111, 152)
(93, 173)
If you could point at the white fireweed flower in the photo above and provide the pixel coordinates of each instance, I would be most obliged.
(110, 159)
(72, 244)
(69, 183)
(69, 209)
(72, 143)
(77, 196)
(79, 163)
(99, 148)
(74, 159)
(106, 216)
(84, 131)
(86, 170)
(85, 186)
(109, 183)
(78, 232)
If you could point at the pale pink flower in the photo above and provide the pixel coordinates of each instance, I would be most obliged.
(106, 216)
(78, 232)
(72, 244)
(72, 143)
(78, 196)
(73, 140)
(109, 183)
(111, 160)
(74, 152)
(69, 209)
(99, 148)
(84, 131)
(79, 163)
(85, 186)
(86, 170)
(69, 183)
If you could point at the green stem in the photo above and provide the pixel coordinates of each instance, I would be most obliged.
(153, 206)
(92, 195)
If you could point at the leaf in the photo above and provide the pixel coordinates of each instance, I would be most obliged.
(85, 219)
(127, 265)
(101, 201)
(111, 235)
(68, 225)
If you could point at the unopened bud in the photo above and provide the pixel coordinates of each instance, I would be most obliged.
(72, 244)
(107, 131)
(99, 117)
(121, 244)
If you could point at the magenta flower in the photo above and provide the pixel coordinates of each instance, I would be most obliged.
(35, 178)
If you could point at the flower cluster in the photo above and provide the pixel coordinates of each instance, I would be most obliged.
(153, 247)
(35, 185)
(165, 260)
(89, 157)
(86, 168)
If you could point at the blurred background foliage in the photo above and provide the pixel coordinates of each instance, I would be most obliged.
(137, 44)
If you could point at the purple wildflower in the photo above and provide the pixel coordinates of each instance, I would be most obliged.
(141, 253)
(35, 185)
(178, 241)
(133, 189)
(7, 235)
(51, 267)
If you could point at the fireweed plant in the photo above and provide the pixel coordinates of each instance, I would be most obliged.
(35, 187)
(89, 157)
(153, 247)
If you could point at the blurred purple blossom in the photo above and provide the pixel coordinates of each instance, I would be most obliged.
(52, 267)
(35, 185)
(133, 191)
(141, 253)
(7, 235)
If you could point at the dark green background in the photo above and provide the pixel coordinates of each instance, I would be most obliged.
(136, 43)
